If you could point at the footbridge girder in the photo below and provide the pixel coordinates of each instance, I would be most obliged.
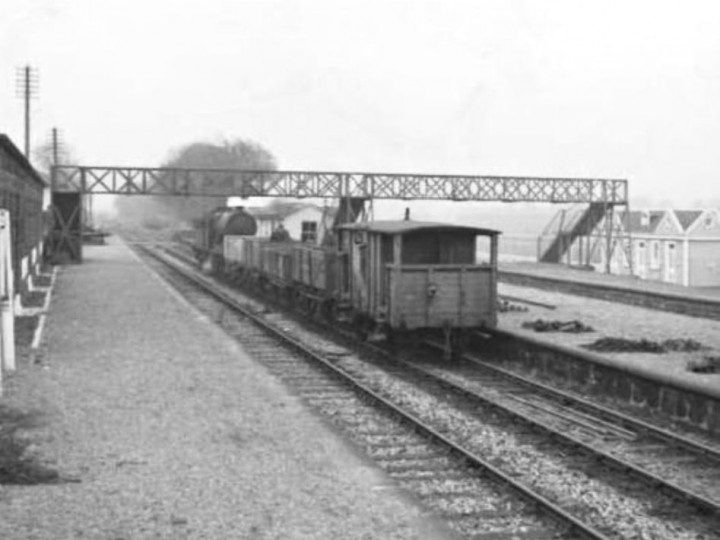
(353, 189)
(309, 184)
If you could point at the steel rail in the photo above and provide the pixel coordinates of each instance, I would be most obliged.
(511, 298)
(669, 486)
(544, 504)
(600, 410)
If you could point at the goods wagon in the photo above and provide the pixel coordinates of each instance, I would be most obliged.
(385, 278)
(314, 267)
(277, 264)
(410, 276)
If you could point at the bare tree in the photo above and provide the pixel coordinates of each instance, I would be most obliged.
(44, 158)
(236, 154)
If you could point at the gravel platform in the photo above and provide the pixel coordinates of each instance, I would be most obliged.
(566, 273)
(610, 319)
(161, 427)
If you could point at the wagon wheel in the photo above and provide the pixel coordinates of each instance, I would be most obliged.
(242, 276)
(263, 284)
(277, 293)
(394, 341)
(402, 340)
(316, 308)
(335, 313)
(288, 294)
(455, 342)
(326, 310)
(459, 343)
(216, 264)
(361, 327)
(300, 301)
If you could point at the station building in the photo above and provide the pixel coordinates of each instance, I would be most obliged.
(303, 221)
(681, 247)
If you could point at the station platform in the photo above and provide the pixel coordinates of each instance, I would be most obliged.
(160, 426)
(630, 283)
(614, 320)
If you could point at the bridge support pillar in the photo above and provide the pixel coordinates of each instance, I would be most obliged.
(65, 239)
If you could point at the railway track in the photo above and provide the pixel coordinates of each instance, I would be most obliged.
(447, 479)
(432, 432)
(699, 446)
(595, 444)
(686, 468)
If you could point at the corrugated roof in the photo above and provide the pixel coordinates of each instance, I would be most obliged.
(407, 226)
(687, 217)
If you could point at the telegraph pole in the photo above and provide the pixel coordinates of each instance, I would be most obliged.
(55, 146)
(55, 141)
(27, 87)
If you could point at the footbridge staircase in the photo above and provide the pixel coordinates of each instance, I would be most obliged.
(586, 231)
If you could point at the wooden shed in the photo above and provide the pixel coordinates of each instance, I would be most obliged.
(21, 193)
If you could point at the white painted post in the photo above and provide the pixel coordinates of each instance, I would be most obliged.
(7, 312)
(3, 220)
(3, 292)
(686, 261)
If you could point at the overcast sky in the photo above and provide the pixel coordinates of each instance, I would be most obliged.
(576, 88)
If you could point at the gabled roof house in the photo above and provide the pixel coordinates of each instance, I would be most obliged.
(303, 221)
(669, 245)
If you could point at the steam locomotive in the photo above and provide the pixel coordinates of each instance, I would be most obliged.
(386, 278)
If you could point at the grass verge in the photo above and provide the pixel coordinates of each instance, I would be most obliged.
(17, 466)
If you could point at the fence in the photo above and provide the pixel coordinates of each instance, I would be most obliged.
(7, 295)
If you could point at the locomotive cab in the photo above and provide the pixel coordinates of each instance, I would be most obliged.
(412, 275)
(219, 228)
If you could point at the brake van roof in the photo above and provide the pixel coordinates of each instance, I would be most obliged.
(408, 226)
